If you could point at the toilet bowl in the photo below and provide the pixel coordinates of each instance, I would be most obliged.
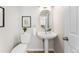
(20, 48)
(25, 40)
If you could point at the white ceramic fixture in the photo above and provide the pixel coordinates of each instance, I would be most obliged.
(46, 36)
(25, 40)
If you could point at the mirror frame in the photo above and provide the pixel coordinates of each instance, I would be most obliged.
(2, 15)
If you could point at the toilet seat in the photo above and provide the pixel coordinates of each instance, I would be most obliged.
(20, 48)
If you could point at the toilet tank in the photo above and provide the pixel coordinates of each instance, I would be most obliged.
(26, 36)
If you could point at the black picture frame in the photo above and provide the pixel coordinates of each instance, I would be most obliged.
(2, 15)
(26, 19)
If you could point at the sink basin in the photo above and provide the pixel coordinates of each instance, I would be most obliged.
(46, 35)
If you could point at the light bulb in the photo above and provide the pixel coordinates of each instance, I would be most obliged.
(45, 8)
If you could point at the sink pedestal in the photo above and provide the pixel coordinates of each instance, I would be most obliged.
(46, 36)
(46, 45)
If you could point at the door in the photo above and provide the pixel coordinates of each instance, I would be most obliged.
(71, 28)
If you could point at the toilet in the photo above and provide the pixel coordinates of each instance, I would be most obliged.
(25, 40)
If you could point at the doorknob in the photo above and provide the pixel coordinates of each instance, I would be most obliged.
(66, 38)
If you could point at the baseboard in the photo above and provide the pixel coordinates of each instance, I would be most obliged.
(39, 50)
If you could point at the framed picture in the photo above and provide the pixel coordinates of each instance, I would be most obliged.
(1, 17)
(26, 21)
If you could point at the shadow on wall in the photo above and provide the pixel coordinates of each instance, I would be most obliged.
(58, 19)
(58, 45)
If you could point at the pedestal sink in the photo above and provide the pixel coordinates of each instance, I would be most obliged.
(46, 36)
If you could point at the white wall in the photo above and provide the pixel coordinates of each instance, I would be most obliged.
(9, 34)
(35, 43)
